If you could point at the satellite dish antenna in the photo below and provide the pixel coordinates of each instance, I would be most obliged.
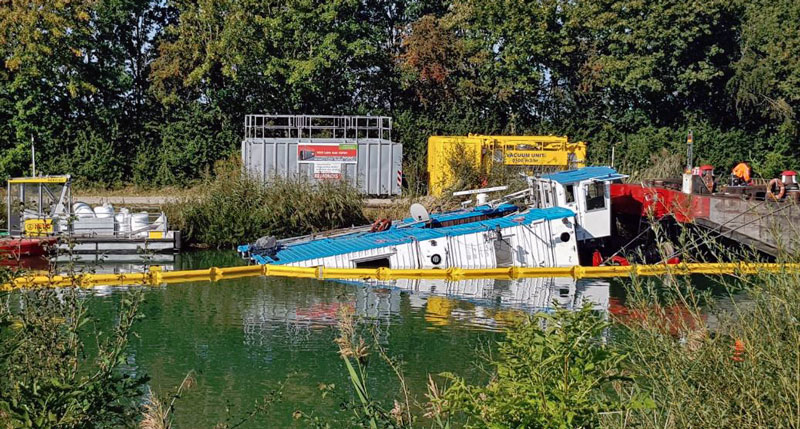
(419, 213)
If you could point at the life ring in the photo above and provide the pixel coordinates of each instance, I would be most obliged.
(781, 189)
(381, 225)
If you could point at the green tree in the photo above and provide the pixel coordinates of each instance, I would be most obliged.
(665, 57)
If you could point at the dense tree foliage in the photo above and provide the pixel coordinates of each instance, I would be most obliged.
(154, 91)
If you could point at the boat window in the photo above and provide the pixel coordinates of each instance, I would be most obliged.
(374, 263)
(569, 192)
(595, 196)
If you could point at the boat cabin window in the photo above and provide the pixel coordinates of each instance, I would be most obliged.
(374, 263)
(569, 193)
(595, 196)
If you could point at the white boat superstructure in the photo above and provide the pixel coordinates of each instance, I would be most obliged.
(586, 191)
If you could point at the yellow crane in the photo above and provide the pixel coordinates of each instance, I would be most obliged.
(531, 154)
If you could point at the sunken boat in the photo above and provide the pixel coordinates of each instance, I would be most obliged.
(559, 213)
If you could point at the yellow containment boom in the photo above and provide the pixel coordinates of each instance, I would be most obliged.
(530, 154)
(156, 277)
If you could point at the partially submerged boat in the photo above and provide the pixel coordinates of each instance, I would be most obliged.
(561, 212)
(535, 237)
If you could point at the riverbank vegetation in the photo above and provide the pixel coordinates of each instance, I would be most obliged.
(675, 357)
(232, 208)
(707, 352)
(153, 93)
(59, 369)
(732, 361)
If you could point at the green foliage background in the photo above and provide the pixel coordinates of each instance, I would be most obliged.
(155, 91)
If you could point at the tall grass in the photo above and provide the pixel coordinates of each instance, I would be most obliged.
(662, 165)
(703, 352)
(727, 360)
(734, 362)
(233, 208)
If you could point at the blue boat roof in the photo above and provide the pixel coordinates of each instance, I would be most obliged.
(585, 173)
(484, 210)
(356, 242)
(500, 210)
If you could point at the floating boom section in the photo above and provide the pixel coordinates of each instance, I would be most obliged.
(154, 276)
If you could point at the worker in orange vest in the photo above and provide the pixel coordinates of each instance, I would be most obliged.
(741, 175)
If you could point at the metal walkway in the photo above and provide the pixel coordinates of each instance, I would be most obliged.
(769, 226)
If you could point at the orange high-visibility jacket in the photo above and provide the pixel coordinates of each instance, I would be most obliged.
(742, 171)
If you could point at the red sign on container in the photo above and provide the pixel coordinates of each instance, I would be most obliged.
(344, 153)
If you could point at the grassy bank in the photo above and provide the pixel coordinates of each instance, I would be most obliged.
(232, 208)
(675, 355)
(675, 358)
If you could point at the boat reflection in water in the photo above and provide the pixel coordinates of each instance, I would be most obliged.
(485, 304)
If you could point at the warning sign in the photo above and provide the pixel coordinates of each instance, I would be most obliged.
(327, 170)
(36, 227)
(343, 153)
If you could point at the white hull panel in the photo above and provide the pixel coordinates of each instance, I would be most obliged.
(546, 243)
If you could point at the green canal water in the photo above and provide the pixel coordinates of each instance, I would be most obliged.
(244, 338)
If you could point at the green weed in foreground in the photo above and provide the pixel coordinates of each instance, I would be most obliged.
(685, 356)
(235, 208)
(551, 371)
(48, 381)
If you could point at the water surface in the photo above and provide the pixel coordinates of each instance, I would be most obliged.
(246, 337)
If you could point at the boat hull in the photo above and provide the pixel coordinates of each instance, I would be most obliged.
(536, 238)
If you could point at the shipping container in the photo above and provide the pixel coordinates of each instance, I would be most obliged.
(356, 149)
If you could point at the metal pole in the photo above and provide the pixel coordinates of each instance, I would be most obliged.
(8, 206)
(33, 159)
(689, 151)
(612, 155)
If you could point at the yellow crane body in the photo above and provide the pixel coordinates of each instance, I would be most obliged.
(531, 154)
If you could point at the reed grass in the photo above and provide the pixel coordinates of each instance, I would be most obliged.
(234, 208)
(661, 165)
(722, 360)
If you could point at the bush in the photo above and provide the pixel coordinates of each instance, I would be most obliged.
(553, 371)
(48, 381)
(235, 208)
